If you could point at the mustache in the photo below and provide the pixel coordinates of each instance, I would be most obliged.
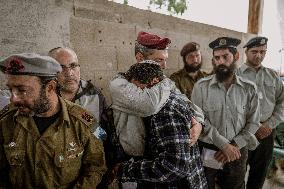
(70, 79)
(19, 105)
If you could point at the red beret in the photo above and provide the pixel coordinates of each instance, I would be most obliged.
(152, 41)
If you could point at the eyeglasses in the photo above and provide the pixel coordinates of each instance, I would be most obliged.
(20, 93)
(72, 66)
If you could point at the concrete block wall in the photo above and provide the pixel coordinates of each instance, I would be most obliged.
(102, 33)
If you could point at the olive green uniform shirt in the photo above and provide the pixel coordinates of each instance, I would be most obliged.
(67, 155)
(230, 115)
(185, 82)
(270, 92)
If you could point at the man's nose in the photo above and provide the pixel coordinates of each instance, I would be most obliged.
(163, 64)
(14, 98)
(68, 71)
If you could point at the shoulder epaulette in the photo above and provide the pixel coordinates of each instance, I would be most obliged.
(82, 114)
(205, 78)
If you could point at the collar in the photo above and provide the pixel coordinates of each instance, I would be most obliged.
(245, 67)
(237, 81)
(185, 73)
(64, 113)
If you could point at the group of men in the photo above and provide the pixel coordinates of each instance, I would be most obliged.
(55, 126)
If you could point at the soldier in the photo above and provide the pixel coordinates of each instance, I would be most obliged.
(168, 161)
(191, 73)
(231, 109)
(131, 103)
(271, 96)
(45, 141)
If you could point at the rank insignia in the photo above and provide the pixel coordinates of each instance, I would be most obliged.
(87, 117)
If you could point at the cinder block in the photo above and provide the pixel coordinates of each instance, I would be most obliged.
(172, 62)
(125, 57)
(97, 57)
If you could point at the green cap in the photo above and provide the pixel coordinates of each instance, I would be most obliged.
(30, 64)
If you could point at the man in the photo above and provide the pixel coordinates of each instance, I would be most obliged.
(74, 88)
(152, 47)
(231, 106)
(191, 73)
(45, 141)
(146, 102)
(168, 160)
(271, 96)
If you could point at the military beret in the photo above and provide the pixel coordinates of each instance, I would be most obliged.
(256, 41)
(189, 47)
(30, 64)
(152, 41)
(223, 42)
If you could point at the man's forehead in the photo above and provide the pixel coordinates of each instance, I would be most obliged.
(259, 48)
(160, 54)
(197, 52)
(65, 56)
(220, 52)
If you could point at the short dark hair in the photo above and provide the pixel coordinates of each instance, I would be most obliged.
(45, 79)
(144, 72)
(145, 51)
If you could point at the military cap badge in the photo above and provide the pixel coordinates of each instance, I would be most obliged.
(15, 65)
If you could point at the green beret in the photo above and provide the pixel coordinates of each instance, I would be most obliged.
(223, 42)
(256, 42)
(30, 64)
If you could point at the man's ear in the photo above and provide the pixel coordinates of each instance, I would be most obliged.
(155, 81)
(139, 57)
(237, 56)
(51, 86)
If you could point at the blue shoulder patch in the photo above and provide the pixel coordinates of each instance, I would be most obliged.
(100, 133)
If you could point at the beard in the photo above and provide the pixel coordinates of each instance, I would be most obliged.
(69, 85)
(190, 68)
(41, 105)
(224, 72)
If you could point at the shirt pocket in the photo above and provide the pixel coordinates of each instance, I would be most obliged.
(211, 111)
(68, 165)
(16, 159)
(240, 117)
(270, 89)
(15, 155)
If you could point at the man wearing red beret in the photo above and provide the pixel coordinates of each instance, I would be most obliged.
(152, 47)
(130, 103)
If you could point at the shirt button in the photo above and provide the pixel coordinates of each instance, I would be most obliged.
(228, 107)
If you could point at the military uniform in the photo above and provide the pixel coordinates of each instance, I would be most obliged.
(67, 155)
(231, 117)
(271, 96)
(185, 81)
